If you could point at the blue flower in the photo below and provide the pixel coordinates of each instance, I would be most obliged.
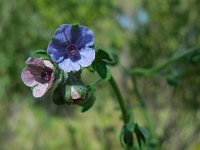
(71, 48)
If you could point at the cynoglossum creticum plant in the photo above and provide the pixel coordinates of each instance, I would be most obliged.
(70, 51)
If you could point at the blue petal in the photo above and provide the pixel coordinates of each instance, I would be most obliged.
(57, 57)
(62, 34)
(54, 46)
(67, 65)
(57, 52)
(86, 39)
(87, 57)
(76, 34)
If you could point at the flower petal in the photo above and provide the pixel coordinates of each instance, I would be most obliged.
(40, 89)
(87, 57)
(35, 62)
(48, 64)
(55, 46)
(51, 81)
(57, 52)
(28, 78)
(35, 66)
(87, 38)
(62, 34)
(68, 65)
(76, 34)
(74, 94)
(74, 66)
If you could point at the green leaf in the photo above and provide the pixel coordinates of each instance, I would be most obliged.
(103, 56)
(115, 57)
(90, 99)
(103, 70)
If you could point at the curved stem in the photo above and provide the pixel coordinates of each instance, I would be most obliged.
(120, 100)
(162, 65)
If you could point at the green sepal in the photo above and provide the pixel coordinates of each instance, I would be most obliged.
(89, 100)
(68, 98)
(75, 26)
(58, 91)
(58, 97)
(41, 54)
(141, 135)
(126, 137)
(81, 89)
(95, 47)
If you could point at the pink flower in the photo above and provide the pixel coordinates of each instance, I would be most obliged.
(38, 74)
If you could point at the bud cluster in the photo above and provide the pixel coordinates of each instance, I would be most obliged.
(60, 66)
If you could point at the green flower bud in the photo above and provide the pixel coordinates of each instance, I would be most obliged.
(75, 93)
(78, 94)
(68, 94)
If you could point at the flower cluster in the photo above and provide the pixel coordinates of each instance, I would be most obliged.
(60, 67)
(68, 52)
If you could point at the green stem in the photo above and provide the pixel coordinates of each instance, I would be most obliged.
(120, 100)
(174, 58)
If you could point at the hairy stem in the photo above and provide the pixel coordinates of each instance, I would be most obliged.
(120, 100)
(174, 58)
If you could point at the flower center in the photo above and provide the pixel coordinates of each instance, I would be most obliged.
(72, 47)
(46, 74)
(73, 52)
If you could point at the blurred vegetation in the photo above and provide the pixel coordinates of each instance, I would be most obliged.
(143, 33)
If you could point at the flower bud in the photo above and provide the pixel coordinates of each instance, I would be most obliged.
(75, 94)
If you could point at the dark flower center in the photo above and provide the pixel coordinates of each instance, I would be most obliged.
(72, 47)
(73, 52)
(46, 74)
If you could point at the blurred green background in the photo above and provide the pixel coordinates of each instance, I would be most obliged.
(143, 33)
